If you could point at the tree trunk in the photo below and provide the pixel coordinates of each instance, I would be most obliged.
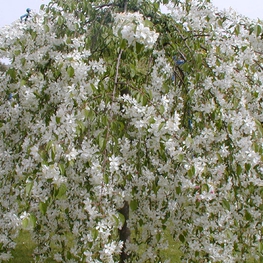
(125, 6)
(124, 232)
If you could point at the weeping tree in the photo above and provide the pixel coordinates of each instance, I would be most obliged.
(120, 122)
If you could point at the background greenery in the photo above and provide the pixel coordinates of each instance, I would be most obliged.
(25, 247)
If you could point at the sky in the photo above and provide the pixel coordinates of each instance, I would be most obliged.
(251, 8)
(12, 9)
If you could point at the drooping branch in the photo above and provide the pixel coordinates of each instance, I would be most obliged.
(117, 74)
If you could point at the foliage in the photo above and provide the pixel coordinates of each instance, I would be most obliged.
(102, 114)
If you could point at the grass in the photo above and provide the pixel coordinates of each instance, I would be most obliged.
(173, 252)
(25, 247)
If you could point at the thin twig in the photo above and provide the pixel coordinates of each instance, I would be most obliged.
(258, 64)
(116, 76)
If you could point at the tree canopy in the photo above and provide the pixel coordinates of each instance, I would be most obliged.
(113, 104)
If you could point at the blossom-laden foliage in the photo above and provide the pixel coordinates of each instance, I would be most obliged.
(96, 112)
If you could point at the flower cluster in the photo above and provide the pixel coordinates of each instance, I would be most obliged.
(133, 28)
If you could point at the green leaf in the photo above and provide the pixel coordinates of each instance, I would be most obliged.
(53, 152)
(23, 61)
(116, 219)
(106, 178)
(155, 187)
(148, 23)
(123, 44)
(133, 70)
(46, 28)
(33, 34)
(180, 157)
(70, 71)
(247, 166)
(182, 238)
(133, 205)
(259, 127)
(191, 172)
(102, 142)
(226, 204)
(144, 99)
(156, 6)
(81, 125)
(237, 30)
(62, 191)
(122, 218)
(158, 236)
(33, 220)
(248, 216)
(94, 233)
(112, 71)
(62, 168)
(178, 190)
(239, 169)
(25, 222)
(205, 188)
(49, 145)
(258, 30)
(43, 207)
(161, 109)
(82, 18)
(17, 52)
(12, 73)
(139, 47)
(161, 126)
(60, 20)
(29, 186)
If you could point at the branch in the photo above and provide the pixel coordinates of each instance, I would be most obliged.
(258, 64)
(116, 76)
(197, 35)
(258, 52)
(104, 5)
(125, 6)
